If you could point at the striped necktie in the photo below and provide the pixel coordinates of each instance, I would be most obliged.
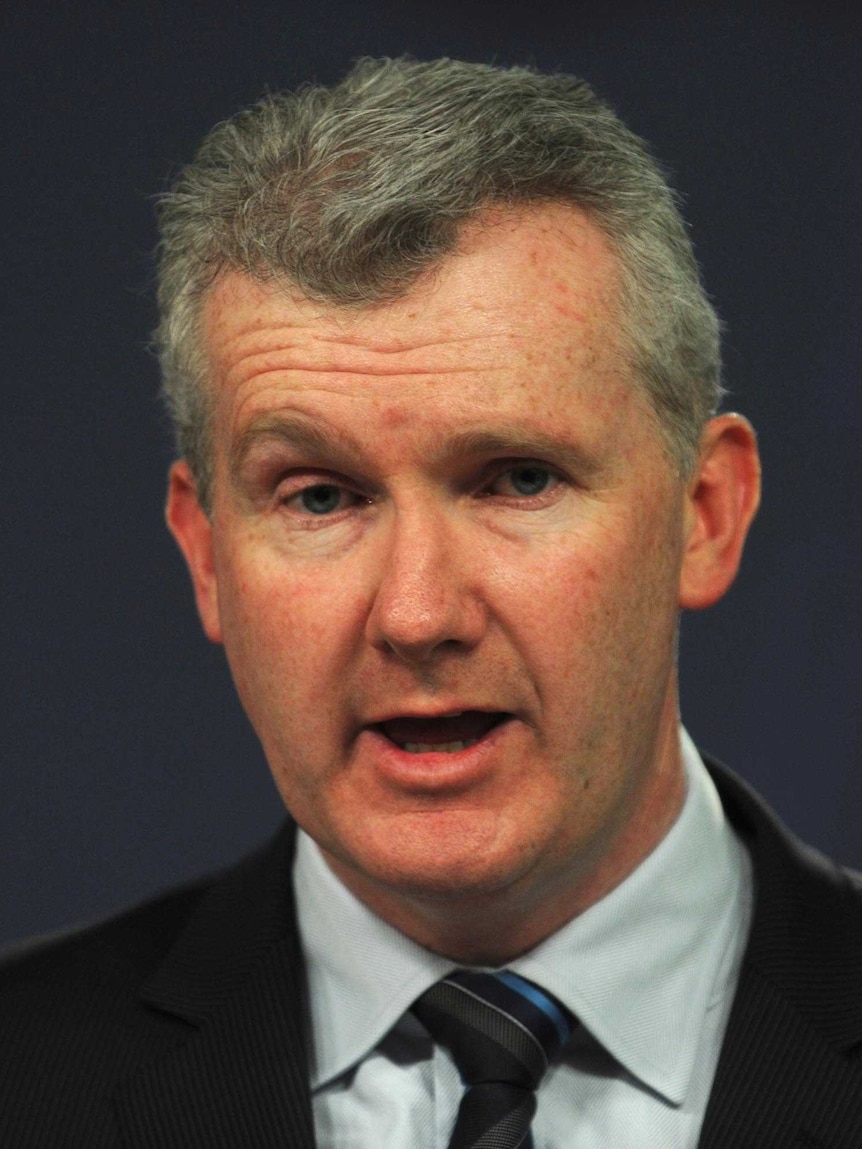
(503, 1032)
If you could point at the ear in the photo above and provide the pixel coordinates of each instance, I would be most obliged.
(721, 501)
(192, 529)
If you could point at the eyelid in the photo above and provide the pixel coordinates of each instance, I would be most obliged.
(505, 466)
(301, 478)
(286, 497)
(507, 495)
(512, 462)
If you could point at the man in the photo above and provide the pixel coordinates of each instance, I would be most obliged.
(444, 380)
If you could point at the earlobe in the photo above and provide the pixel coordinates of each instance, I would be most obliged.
(192, 530)
(721, 502)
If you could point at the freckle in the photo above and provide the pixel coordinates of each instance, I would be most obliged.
(565, 310)
(394, 416)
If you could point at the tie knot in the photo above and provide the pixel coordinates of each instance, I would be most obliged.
(498, 1026)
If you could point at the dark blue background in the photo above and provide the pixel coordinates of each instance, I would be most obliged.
(127, 763)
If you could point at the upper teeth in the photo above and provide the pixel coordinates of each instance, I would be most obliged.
(438, 747)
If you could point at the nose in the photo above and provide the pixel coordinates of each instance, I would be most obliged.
(426, 599)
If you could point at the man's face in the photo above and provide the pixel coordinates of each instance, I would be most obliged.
(444, 561)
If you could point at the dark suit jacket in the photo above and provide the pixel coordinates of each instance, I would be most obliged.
(180, 1024)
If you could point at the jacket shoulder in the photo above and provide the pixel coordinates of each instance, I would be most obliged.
(70, 1011)
(806, 934)
(88, 1011)
(124, 944)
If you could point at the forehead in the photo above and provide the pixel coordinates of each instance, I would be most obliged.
(523, 311)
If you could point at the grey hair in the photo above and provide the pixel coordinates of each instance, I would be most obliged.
(348, 193)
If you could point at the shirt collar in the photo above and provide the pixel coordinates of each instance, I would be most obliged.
(357, 992)
(639, 969)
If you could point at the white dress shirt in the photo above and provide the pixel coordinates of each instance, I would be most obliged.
(649, 972)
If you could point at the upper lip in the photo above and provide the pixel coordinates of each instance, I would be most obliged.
(437, 712)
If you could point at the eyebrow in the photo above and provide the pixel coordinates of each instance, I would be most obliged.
(296, 431)
(514, 440)
(314, 438)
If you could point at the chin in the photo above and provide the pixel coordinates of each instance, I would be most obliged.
(438, 866)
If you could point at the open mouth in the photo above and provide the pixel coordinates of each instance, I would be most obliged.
(446, 734)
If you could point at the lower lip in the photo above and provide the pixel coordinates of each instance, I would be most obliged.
(434, 771)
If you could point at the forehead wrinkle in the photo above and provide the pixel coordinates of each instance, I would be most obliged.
(393, 345)
(282, 372)
(285, 345)
(261, 364)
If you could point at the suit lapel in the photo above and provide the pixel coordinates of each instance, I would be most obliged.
(233, 1071)
(779, 1085)
(787, 1077)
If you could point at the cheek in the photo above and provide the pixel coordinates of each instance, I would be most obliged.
(599, 611)
(287, 636)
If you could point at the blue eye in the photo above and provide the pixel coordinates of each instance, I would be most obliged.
(321, 499)
(529, 479)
